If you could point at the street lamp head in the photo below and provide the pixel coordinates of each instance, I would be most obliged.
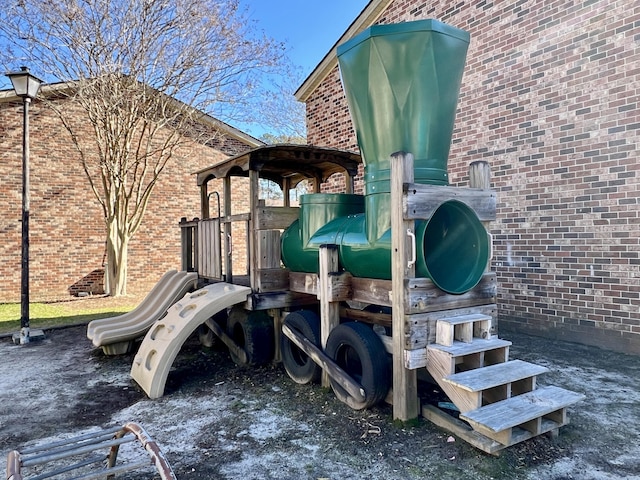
(24, 83)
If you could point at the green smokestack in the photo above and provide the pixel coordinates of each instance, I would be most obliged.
(402, 83)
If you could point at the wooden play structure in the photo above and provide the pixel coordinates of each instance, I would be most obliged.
(364, 293)
(449, 338)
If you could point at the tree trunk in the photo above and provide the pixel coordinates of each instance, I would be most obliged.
(116, 268)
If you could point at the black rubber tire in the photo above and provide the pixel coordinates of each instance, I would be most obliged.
(298, 365)
(253, 332)
(206, 336)
(358, 350)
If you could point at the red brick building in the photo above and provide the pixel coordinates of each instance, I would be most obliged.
(550, 98)
(67, 232)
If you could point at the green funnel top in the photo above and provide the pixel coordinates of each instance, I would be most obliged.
(402, 83)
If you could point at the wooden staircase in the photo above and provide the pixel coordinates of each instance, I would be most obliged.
(497, 397)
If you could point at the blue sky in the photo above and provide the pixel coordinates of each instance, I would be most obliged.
(309, 27)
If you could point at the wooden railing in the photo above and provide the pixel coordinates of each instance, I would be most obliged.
(188, 243)
(207, 247)
(210, 248)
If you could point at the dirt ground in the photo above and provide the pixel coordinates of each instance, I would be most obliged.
(220, 421)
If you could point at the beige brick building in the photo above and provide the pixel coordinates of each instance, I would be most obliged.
(550, 98)
(67, 232)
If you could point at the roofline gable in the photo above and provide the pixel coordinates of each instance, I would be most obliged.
(367, 17)
(60, 87)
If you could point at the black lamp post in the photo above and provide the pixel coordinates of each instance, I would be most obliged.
(26, 86)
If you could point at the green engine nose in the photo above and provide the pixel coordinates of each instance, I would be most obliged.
(455, 248)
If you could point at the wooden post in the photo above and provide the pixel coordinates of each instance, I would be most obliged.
(286, 192)
(204, 201)
(405, 384)
(348, 183)
(186, 246)
(329, 310)
(228, 263)
(252, 233)
(278, 320)
(480, 175)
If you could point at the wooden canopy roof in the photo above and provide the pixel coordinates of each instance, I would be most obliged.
(277, 162)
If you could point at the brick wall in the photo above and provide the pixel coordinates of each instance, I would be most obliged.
(551, 98)
(67, 232)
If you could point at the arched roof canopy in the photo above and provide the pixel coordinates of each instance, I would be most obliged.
(277, 162)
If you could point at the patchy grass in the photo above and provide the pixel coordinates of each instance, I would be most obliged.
(55, 314)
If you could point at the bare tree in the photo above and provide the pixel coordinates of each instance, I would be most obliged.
(281, 114)
(143, 71)
(271, 139)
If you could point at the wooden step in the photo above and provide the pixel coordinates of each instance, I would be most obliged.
(468, 318)
(536, 412)
(466, 356)
(485, 385)
(462, 328)
(495, 375)
(460, 349)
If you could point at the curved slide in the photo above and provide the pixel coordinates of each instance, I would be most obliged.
(116, 334)
(163, 341)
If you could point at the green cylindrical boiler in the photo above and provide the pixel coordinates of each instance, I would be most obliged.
(451, 247)
(316, 211)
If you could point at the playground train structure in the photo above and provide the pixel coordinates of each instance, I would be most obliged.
(364, 293)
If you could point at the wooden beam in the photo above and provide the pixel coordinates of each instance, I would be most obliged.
(227, 340)
(272, 280)
(238, 217)
(285, 299)
(303, 283)
(422, 200)
(383, 319)
(405, 383)
(422, 295)
(352, 387)
(276, 218)
(372, 291)
(461, 429)
(329, 309)
(338, 288)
